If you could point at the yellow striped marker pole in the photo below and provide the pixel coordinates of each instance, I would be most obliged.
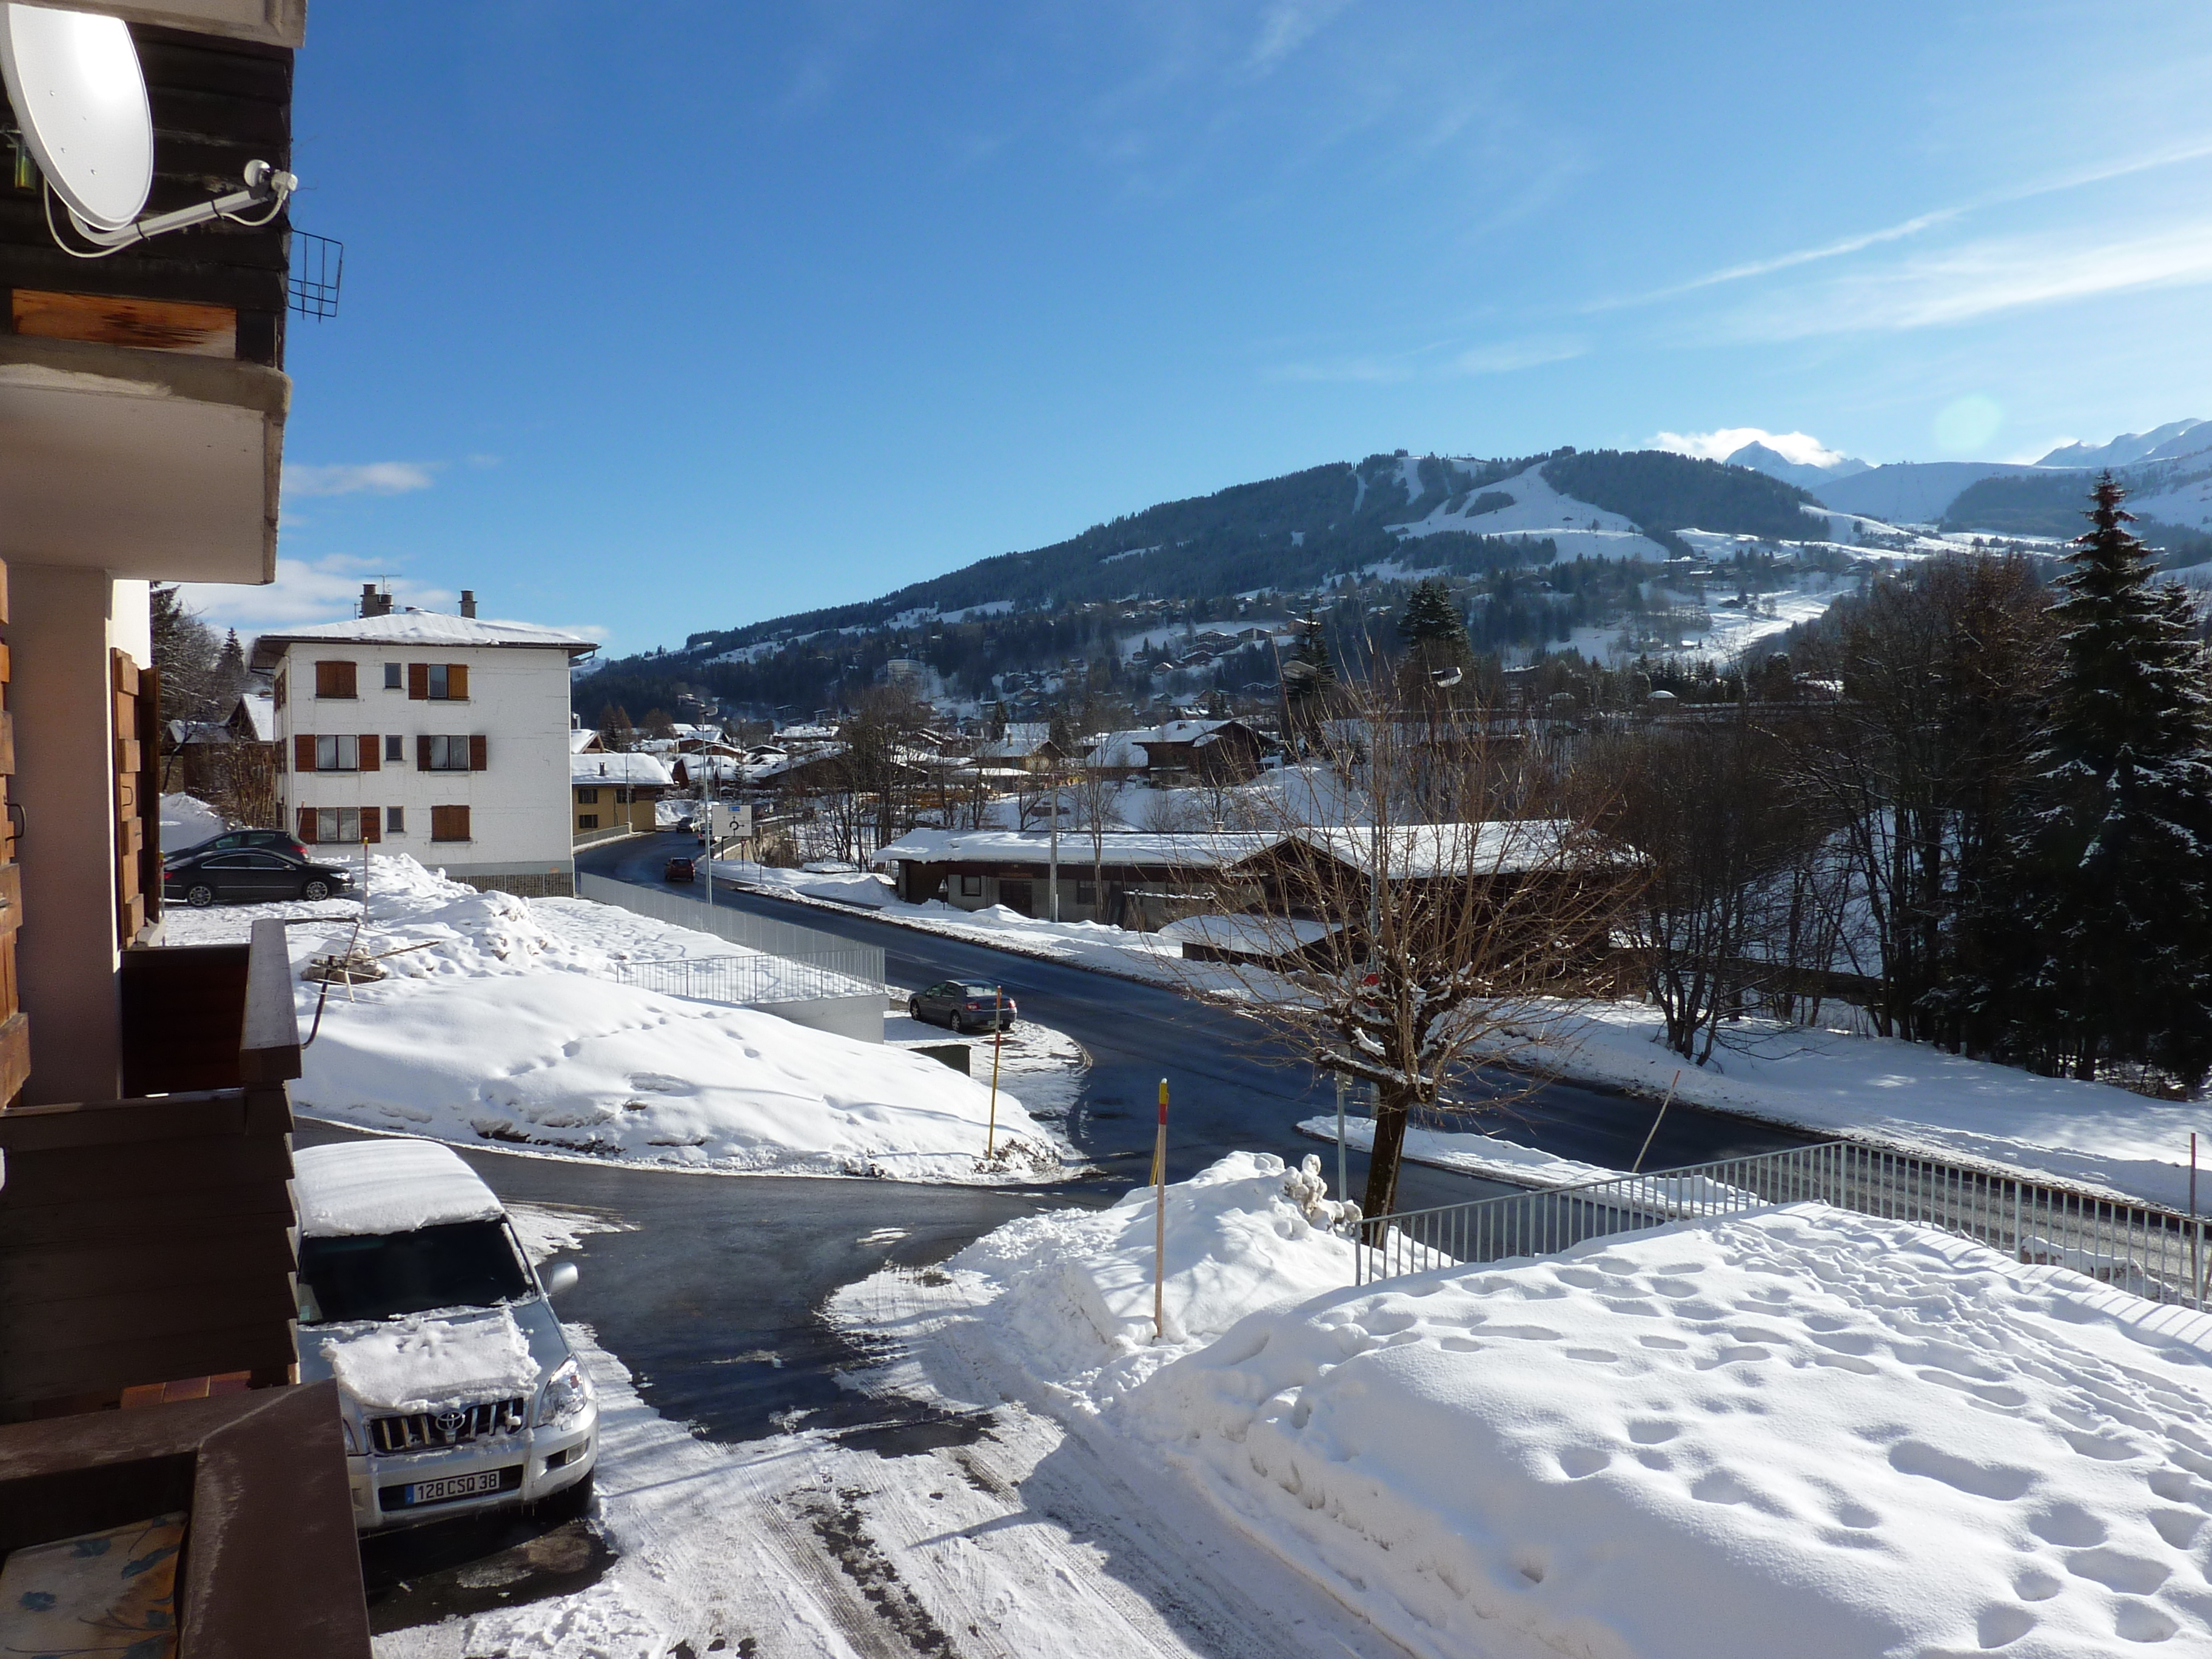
(1160, 1221)
(997, 1042)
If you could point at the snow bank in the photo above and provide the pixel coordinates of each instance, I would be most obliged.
(186, 821)
(428, 1361)
(1467, 1152)
(1905, 1094)
(570, 1064)
(1872, 1437)
(1242, 1234)
(499, 1022)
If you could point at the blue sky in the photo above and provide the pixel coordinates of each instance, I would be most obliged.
(666, 316)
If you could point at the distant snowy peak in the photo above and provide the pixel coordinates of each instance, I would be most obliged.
(2175, 438)
(1806, 475)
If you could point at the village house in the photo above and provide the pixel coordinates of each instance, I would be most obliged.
(1139, 881)
(442, 736)
(616, 792)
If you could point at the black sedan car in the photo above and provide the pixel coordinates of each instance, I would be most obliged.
(249, 875)
(274, 841)
(965, 1004)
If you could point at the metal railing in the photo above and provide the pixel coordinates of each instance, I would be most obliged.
(807, 946)
(2154, 1252)
(756, 981)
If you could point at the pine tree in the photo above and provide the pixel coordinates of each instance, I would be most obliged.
(229, 672)
(2114, 886)
(1430, 622)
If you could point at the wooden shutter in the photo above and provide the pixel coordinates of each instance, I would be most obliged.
(419, 681)
(449, 823)
(335, 679)
(457, 681)
(423, 754)
(479, 752)
(372, 823)
(279, 688)
(307, 825)
(127, 764)
(303, 753)
(371, 752)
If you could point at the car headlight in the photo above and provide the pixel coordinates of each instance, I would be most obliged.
(567, 1392)
(353, 1435)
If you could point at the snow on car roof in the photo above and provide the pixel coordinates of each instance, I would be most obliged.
(385, 1186)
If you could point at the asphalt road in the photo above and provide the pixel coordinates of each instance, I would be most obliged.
(1232, 1086)
(713, 1294)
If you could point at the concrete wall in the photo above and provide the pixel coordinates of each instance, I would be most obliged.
(859, 1018)
(518, 805)
(64, 622)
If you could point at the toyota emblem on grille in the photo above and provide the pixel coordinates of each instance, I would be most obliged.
(449, 1423)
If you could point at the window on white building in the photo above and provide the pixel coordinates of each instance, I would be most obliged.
(339, 754)
(341, 823)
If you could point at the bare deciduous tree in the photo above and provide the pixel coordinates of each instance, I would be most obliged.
(1403, 952)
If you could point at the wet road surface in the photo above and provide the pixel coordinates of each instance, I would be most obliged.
(712, 1292)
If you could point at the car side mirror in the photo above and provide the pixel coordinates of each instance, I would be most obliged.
(560, 1276)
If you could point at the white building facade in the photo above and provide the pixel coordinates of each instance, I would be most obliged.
(445, 738)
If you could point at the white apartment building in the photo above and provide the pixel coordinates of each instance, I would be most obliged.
(442, 737)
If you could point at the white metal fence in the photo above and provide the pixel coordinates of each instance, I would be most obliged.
(857, 968)
(2154, 1252)
(756, 980)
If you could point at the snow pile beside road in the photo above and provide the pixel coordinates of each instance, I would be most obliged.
(1467, 1152)
(1872, 1438)
(1077, 1286)
(1906, 1094)
(570, 1064)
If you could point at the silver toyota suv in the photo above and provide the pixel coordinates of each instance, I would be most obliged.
(459, 1389)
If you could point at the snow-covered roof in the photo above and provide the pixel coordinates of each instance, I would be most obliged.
(581, 738)
(260, 710)
(417, 628)
(1416, 850)
(619, 768)
(1197, 850)
(385, 1186)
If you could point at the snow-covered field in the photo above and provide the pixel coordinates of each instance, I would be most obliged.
(500, 1023)
(1796, 1431)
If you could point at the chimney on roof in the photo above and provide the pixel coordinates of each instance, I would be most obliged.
(468, 603)
(373, 603)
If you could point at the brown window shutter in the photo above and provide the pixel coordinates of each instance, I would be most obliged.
(457, 681)
(334, 679)
(307, 825)
(479, 752)
(449, 823)
(419, 681)
(372, 823)
(422, 753)
(303, 753)
(371, 752)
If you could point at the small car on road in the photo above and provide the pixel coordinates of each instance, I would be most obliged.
(249, 875)
(679, 870)
(965, 1004)
(274, 840)
(457, 1391)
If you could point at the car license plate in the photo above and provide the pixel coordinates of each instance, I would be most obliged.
(455, 1486)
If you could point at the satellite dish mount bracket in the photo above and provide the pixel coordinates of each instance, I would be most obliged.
(267, 188)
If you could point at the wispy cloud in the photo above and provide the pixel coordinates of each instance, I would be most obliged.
(1504, 357)
(1438, 362)
(327, 589)
(1976, 280)
(1840, 247)
(365, 478)
(1286, 26)
(1718, 445)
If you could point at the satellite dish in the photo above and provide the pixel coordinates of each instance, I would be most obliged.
(80, 100)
